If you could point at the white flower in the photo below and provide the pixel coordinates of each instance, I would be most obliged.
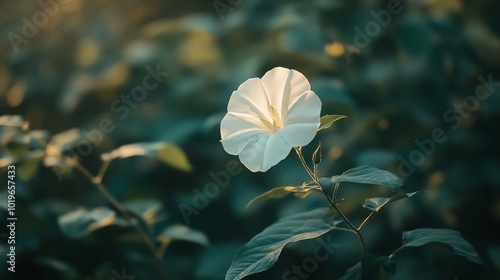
(267, 117)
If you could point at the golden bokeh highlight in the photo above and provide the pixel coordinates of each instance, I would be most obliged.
(334, 153)
(334, 49)
(15, 95)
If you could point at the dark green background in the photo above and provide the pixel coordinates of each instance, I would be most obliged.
(394, 91)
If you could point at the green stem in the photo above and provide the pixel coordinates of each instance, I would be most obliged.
(397, 250)
(314, 177)
(102, 170)
(117, 205)
(303, 161)
(163, 248)
(353, 228)
(337, 185)
(365, 221)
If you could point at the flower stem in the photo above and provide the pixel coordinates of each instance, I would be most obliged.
(303, 161)
(353, 228)
(314, 177)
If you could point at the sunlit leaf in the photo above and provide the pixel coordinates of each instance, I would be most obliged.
(376, 203)
(366, 174)
(65, 141)
(280, 192)
(327, 121)
(175, 157)
(263, 250)
(184, 233)
(168, 153)
(78, 223)
(452, 238)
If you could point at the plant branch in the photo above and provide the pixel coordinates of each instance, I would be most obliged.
(335, 189)
(303, 161)
(314, 177)
(117, 205)
(365, 221)
(102, 170)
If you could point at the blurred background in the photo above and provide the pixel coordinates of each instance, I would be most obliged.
(397, 69)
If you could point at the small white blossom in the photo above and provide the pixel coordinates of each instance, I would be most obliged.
(267, 117)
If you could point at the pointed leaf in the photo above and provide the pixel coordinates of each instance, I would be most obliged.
(327, 121)
(280, 192)
(175, 157)
(263, 250)
(168, 153)
(452, 238)
(184, 233)
(366, 174)
(376, 203)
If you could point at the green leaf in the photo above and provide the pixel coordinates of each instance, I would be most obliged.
(280, 192)
(327, 121)
(184, 233)
(168, 153)
(66, 141)
(371, 267)
(327, 186)
(77, 224)
(145, 209)
(376, 203)
(263, 250)
(452, 238)
(366, 174)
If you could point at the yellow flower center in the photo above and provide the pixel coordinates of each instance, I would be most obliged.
(276, 123)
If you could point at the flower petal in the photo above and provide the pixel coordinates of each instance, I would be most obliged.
(264, 152)
(298, 135)
(235, 144)
(235, 123)
(250, 98)
(307, 109)
(283, 87)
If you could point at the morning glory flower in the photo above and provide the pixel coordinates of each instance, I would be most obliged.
(269, 116)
